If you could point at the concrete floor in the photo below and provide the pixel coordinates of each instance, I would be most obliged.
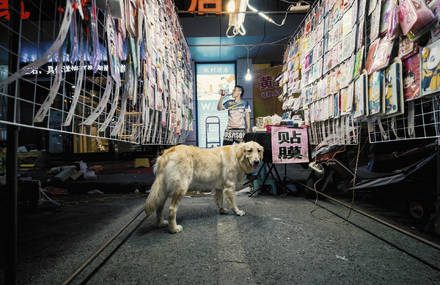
(278, 241)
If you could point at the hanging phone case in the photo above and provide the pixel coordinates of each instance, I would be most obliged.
(411, 77)
(386, 13)
(361, 9)
(393, 93)
(360, 90)
(360, 35)
(344, 100)
(371, 55)
(375, 22)
(407, 48)
(382, 54)
(430, 66)
(358, 63)
(375, 90)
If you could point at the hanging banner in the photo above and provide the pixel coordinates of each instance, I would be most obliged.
(266, 92)
(289, 145)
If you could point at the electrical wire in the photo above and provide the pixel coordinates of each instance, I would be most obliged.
(355, 173)
(276, 42)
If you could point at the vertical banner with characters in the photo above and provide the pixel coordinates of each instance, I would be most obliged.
(266, 92)
(211, 124)
(289, 145)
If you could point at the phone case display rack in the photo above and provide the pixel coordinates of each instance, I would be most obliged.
(355, 61)
(116, 69)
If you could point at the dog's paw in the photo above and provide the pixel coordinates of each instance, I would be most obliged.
(176, 230)
(223, 211)
(162, 224)
(240, 213)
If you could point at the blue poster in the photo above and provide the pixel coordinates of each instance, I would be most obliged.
(211, 124)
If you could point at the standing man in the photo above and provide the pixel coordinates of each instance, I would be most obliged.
(238, 110)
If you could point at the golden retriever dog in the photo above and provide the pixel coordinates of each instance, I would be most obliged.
(185, 167)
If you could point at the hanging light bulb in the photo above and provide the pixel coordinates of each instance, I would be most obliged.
(248, 76)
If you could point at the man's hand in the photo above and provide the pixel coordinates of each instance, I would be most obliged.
(220, 101)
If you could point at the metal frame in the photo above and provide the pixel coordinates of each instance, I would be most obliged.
(36, 86)
(426, 123)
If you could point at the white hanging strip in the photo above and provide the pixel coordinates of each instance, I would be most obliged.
(79, 6)
(102, 103)
(112, 111)
(370, 125)
(393, 127)
(44, 108)
(382, 130)
(156, 120)
(121, 117)
(146, 116)
(411, 113)
(77, 92)
(57, 44)
(150, 127)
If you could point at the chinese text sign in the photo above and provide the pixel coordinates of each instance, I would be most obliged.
(289, 145)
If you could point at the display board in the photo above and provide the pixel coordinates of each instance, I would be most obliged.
(211, 123)
(266, 92)
(354, 61)
(117, 70)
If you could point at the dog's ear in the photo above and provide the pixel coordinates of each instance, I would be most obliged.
(240, 152)
(261, 152)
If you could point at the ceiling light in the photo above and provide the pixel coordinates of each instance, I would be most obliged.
(248, 76)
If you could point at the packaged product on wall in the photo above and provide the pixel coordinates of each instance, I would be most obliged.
(393, 94)
(371, 55)
(375, 22)
(411, 77)
(375, 90)
(435, 31)
(360, 35)
(360, 90)
(346, 100)
(382, 54)
(430, 66)
(385, 18)
(336, 99)
(358, 63)
(407, 48)
(361, 9)
(415, 18)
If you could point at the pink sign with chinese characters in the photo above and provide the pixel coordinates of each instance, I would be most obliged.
(289, 145)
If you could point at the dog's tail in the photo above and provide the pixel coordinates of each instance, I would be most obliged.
(158, 193)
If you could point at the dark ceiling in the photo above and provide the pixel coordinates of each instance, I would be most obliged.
(210, 29)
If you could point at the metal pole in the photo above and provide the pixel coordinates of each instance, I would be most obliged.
(11, 155)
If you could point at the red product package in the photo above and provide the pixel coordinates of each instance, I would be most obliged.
(411, 77)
